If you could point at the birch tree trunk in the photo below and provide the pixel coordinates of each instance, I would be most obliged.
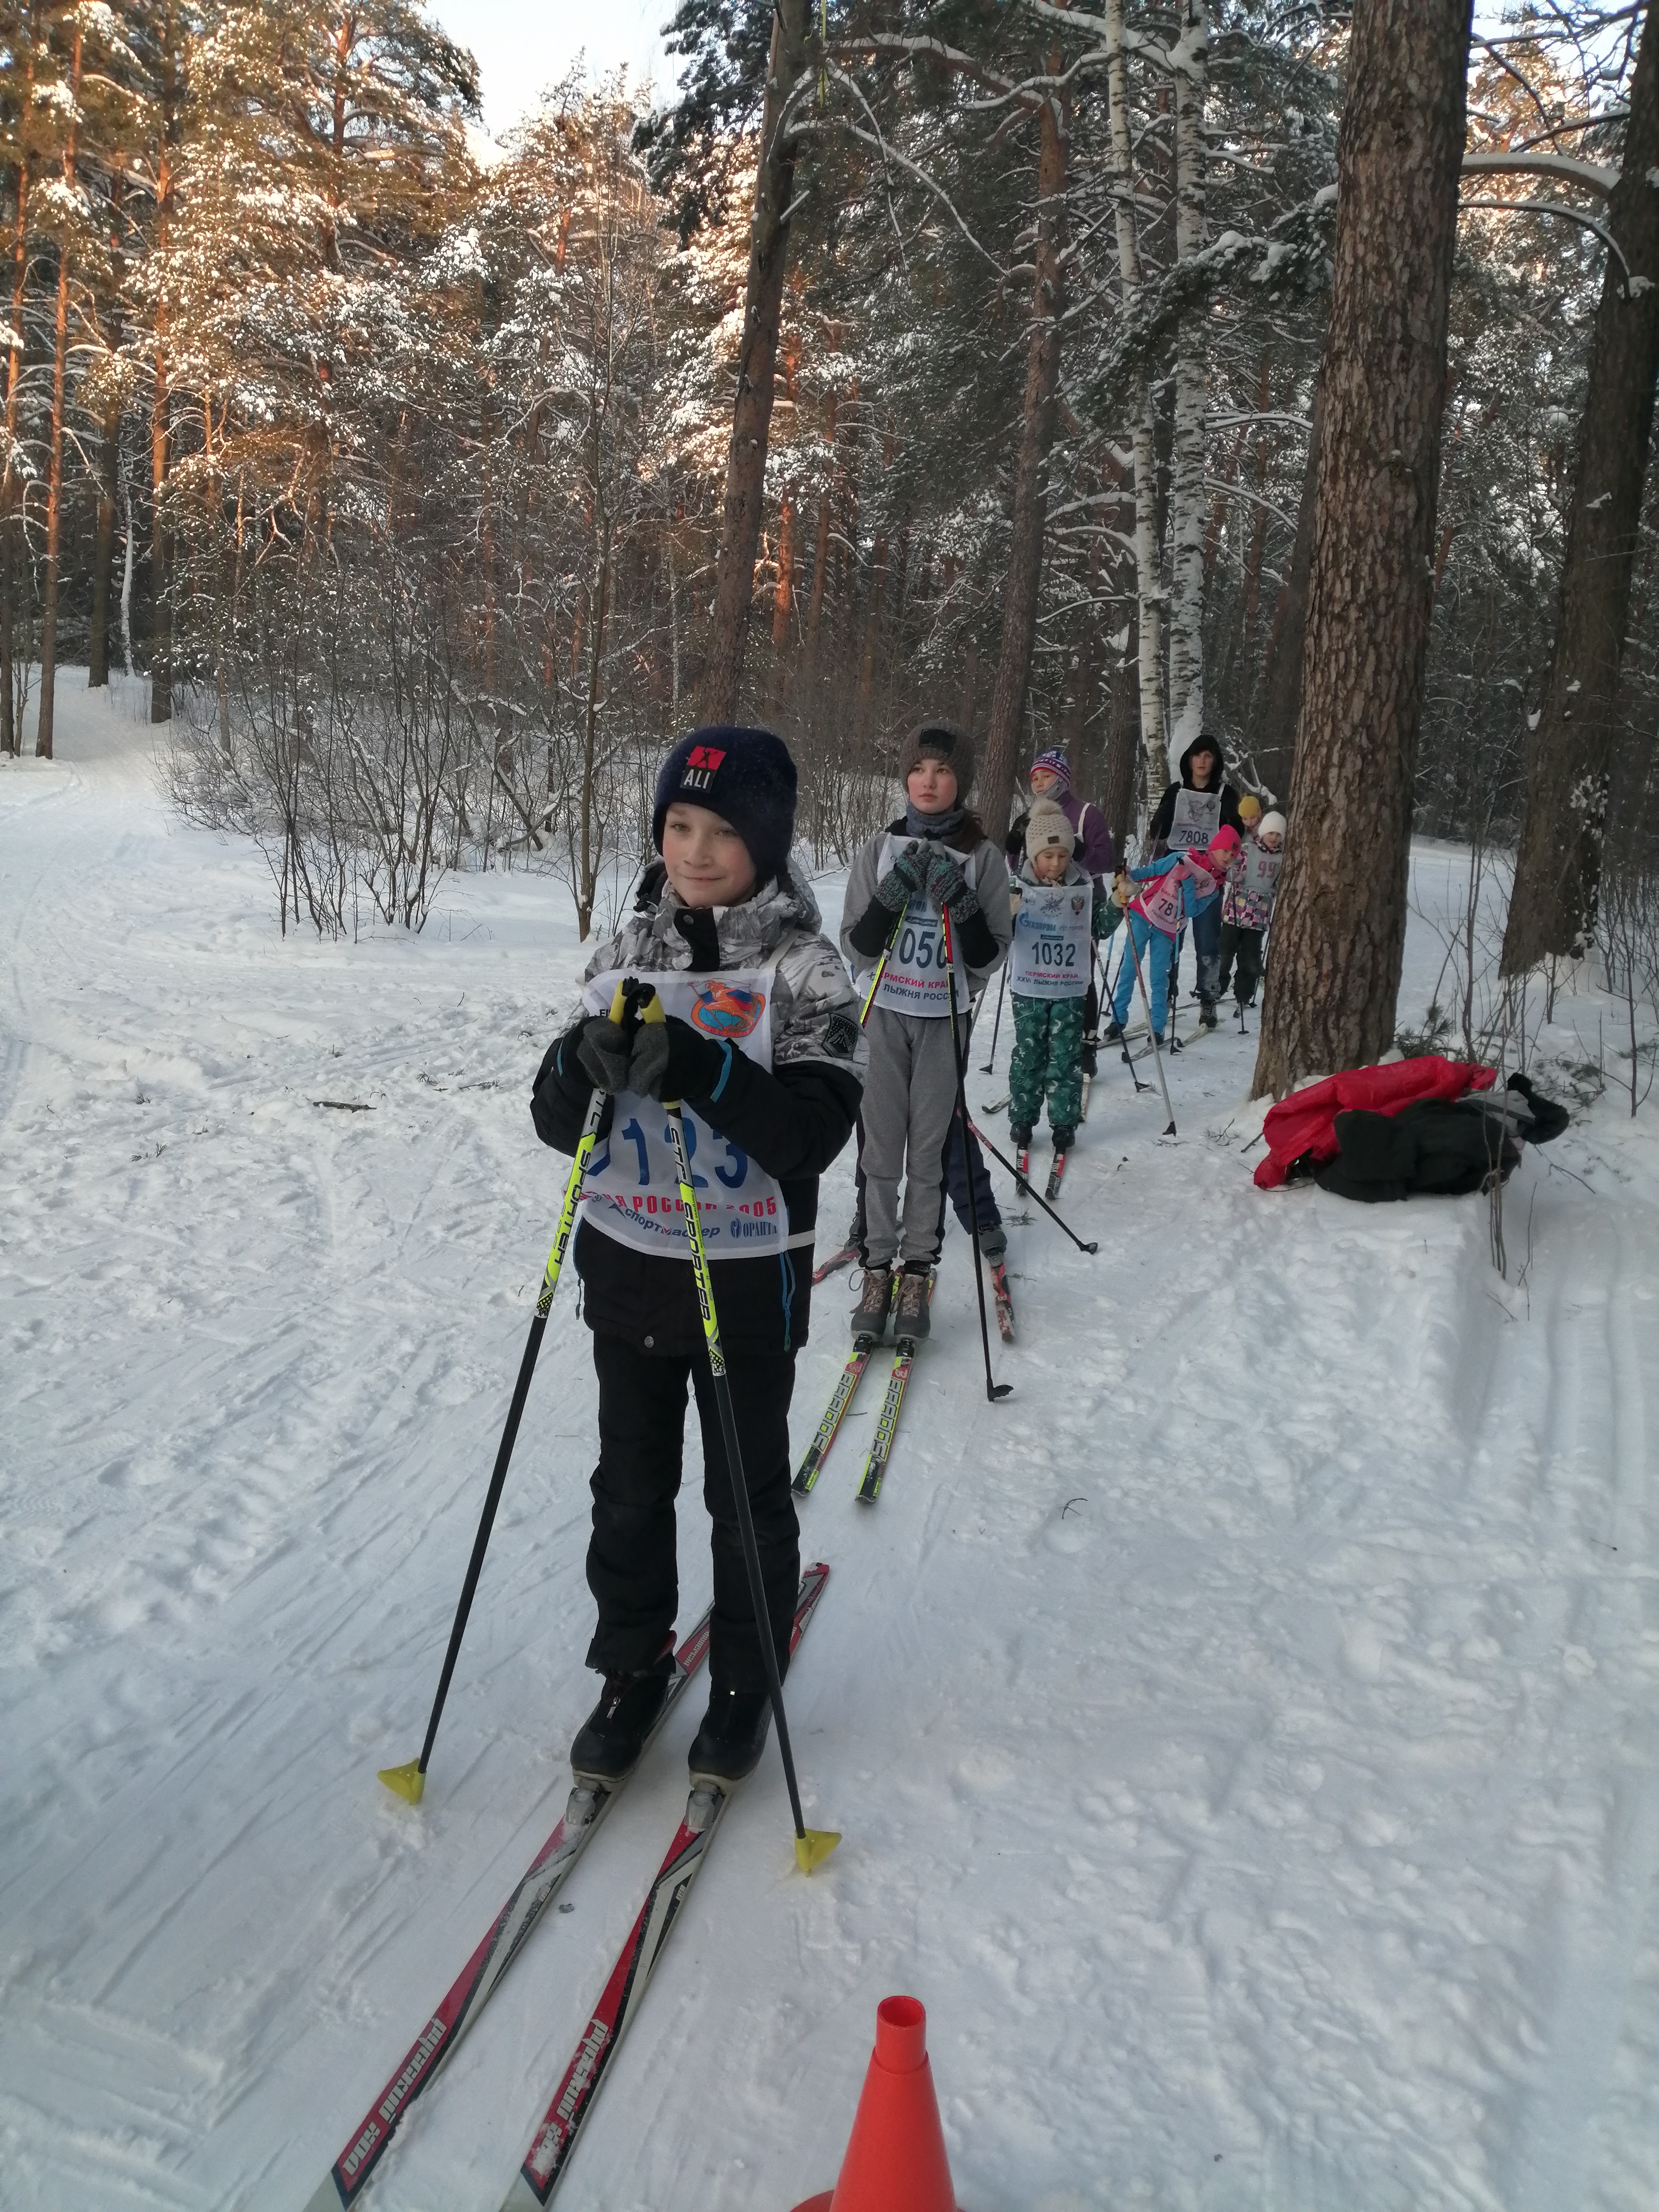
(161, 543)
(1187, 502)
(746, 465)
(1149, 589)
(45, 725)
(11, 735)
(1036, 436)
(1340, 930)
(1569, 759)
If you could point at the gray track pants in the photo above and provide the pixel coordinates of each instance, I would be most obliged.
(909, 1095)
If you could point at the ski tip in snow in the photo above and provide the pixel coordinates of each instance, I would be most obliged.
(406, 1782)
(813, 1846)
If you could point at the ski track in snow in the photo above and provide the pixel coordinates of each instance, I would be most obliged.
(1246, 1737)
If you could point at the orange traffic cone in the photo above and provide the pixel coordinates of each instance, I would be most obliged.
(895, 2158)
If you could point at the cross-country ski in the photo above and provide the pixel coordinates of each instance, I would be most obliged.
(579, 2084)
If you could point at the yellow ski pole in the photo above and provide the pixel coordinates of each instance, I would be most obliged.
(881, 969)
(812, 1845)
(410, 1781)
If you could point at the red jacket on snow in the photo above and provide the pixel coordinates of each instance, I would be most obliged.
(1305, 1122)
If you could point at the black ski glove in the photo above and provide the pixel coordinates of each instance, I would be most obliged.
(671, 1061)
(906, 880)
(562, 1092)
(604, 1049)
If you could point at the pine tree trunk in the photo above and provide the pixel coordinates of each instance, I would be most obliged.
(109, 463)
(1031, 495)
(1340, 930)
(160, 610)
(1570, 758)
(1188, 450)
(1278, 699)
(745, 466)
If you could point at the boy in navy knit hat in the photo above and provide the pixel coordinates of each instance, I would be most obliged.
(763, 1046)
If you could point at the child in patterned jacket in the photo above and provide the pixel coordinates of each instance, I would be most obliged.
(1247, 906)
(1060, 916)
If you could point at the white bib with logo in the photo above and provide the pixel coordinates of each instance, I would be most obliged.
(1197, 817)
(1050, 957)
(916, 980)
(631, 1191)
(1260, 873)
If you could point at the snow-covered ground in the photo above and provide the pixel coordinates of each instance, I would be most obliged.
(1246, 1737)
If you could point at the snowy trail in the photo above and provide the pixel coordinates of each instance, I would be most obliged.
(1244, 1735)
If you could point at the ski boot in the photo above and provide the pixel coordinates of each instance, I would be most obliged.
(910, 1307)
(727, 1747)
(870, 1314)
(1064, 1139)
(1206, 1017)
(609, 1742)
(1113, 1033)
(1020, 1133)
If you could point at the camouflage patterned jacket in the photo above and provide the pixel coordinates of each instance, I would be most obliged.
(793, 1121)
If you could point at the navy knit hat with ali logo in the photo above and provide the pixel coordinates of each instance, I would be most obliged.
(745, 775)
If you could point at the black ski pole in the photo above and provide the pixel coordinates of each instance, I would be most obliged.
(812, 1845)
(997, 1024)
(410, 1781)
(994, 1390)
(1157, 1054)
(1033, 1194)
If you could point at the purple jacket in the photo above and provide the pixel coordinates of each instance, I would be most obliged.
(1094, 853)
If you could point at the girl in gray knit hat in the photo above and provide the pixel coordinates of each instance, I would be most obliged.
(935, 861)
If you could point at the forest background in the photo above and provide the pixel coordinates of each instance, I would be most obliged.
(401, 464)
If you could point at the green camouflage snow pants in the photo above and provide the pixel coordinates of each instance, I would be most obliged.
(1048, 1059)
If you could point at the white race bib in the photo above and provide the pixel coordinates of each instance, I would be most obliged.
(631, 1191)
(916, 980)
(1050, 956)
(1196, 819)
(1260, 873)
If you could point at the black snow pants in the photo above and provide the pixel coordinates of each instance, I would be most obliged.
(631, 1568)
(1242, 946)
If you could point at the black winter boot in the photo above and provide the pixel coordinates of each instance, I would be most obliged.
(610, 1740)
(1021, 1134)
(728, 1745)
(1065, 1138)
(1113, 1033)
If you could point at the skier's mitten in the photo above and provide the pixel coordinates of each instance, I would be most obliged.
(604, 1051)
(905, 880)
(948, 887)
(671, 1061)
(562, 1093)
